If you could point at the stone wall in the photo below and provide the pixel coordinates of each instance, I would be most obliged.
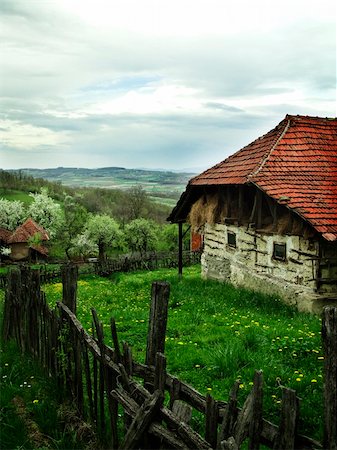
(251, 263)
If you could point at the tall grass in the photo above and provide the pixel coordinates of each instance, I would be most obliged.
(215, 335)
(31, 413)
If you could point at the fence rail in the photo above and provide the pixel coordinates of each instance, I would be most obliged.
(124, 263)
(101, 380)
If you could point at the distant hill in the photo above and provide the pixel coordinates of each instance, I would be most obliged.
(156, 183)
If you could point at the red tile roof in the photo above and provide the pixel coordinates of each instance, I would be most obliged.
(5, 234)
(296, 161)
(26, 231)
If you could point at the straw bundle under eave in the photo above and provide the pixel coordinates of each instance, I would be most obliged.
(207, 209)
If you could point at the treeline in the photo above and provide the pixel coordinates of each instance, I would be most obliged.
(124, 206)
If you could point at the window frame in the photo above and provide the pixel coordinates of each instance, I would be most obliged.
(232, 234)
(284, 246)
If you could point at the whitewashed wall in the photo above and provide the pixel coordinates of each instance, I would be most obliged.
(251, 263)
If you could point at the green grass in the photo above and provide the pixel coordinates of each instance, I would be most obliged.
(215, 335)
(31, 413)
(16, 195)
(29, 402)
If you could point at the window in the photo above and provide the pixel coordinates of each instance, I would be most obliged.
(280, 251)
(231, 239)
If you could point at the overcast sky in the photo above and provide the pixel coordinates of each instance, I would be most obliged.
(157, 83)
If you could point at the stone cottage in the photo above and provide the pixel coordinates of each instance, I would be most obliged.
(268, 213)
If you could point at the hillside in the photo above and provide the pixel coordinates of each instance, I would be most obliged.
(156, 183)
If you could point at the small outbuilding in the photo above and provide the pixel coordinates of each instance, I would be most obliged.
(268, 213)
(21, 244)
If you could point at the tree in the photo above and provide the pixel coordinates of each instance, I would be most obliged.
(46, 212)
(141, 235)
(169, 237)
(104, 231)
(12, 214)
(75, 217)
(82, 245)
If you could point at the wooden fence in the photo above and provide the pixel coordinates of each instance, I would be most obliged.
(124, 263)
(104, 381)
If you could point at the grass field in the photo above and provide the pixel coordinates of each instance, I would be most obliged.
(16, 195)
(215, 335)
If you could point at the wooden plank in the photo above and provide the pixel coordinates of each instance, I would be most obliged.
(230, 416)
(174, 391)
(131, 407)
(186, 433)
(88, 381)
(211, 428)
(127, 359)
(329, 337)
(182, 411)
(157, 324)
(157, 321)
(255, 426)
(180, 249)
(229, 444)
(285, 438)
(160, 373)
(142, 420)
(118, 355)
(69, 273)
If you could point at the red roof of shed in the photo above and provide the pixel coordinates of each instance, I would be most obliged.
(296, 161)
(26, 231)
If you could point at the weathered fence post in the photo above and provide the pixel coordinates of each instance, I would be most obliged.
(329, 337)
(12, 297)
(157, 321)
(288, 422)
(69, 273)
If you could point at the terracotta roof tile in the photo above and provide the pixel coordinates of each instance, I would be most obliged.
(5, 234)
(297, 159)
(26, 231)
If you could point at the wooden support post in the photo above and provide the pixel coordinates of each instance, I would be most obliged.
(249, 418)
(69, 274)
(118, 355)
(255, 426)
(240, 205)
(180, 249)
(329, 337)
(231, 414)
(157, 321)
(211, 433)
(160, 373)
(12, 298)
(259, 209)
(288, 421)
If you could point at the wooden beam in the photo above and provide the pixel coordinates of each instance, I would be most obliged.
(240, 205)
(180, 255)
